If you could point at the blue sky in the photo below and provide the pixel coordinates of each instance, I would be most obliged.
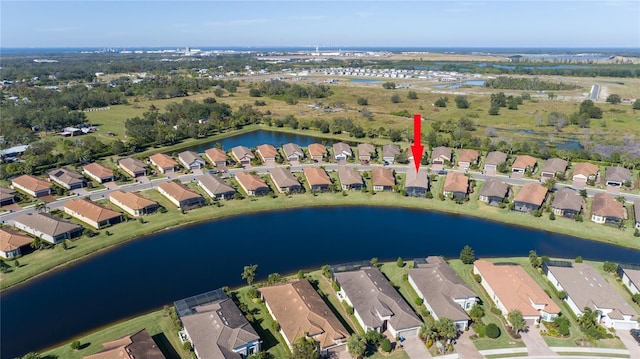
(471, 23)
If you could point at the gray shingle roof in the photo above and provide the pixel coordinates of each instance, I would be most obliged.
(494, 187)
(215, 184)
(567, 198)
(47, 223)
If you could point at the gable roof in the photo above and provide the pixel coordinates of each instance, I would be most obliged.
(291, 149)
(532, 193)
(178, 191)
(136, 345)
(283, 177)
(316, 149)
(585, 168)
(555, 165)
(91, 210)
(441, 152)
(456, 182)
(267, 151)
(567, 198)
(240, 152)
(468, 155)
(383, 177)
(495, 158)
(316, 176)
(366, 149)
(66, 176)
(349, 176)
(633, 274)
(373, 296)
(605, 205)
(132, 164)
(46, 223)
(31, 183)
(416, 179)
(6, 193)
(391, 150)
(440, 285)
(618, 174)
(341, 147)
(132, 200)
(515, 288)
(10, 239)
(494, 187)
(250, 181)
(215, 184)
(190, 157)
(99, 170)
(162, 160)
(300, 311)
(524, 161)
(216, 155)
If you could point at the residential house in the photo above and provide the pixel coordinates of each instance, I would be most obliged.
(630, 277)
(7, 196)
(585, 171)
(567, 203)
(164, 163)
(133, 167)
(292, 152)
(444, 294)
(456, 185)
(66, 178)
(180, 195)
(493, 160)
(33, 186)
(350, 178)
(11, 241)
(216, 187)
(318, 179)
(585, 287)
(242, 155)
(376, 304)
(302, 313)
(285, 181)
(98, 172)
(617, 176)
(136, 345)
(191, 160)
(217, 157)
(317, 152)
(494, 191)
(133, 203)
(92, 213)
(366, 151)
(47, 227)
(383, 179)
(216, 328)
(268, 153)
(342, 151)
(467, 158)
(553, 167)
(524, 163)
(510, 287)
(389, 153)
(636, 213)
(252, 184)
(416, 183)
(441, 156)
(605, 209)
(530, 198)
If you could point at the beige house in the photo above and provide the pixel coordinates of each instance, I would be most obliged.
(350, 178)
(268, 153)
(191, 160)
(98, 172)
(11, 241)
(366, 152)
(285, 181)
(164, 163)
(133, 167)
(47, 227)
(467, 157)
(91, 213)
(66, 178)
(317, 152)
(242, 155)
(293, 152)
(456, 185)
(553, 167)
(317, 178)
(606, 210)
(217, 157)
(33, 186)
(136, 345)
(180, 195)
(383, 179)
(252, 184)
(133, 203)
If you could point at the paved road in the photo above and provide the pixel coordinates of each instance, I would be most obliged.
(595, 90)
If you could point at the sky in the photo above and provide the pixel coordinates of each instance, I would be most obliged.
(335, 24)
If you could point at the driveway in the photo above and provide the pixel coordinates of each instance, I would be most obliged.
(629, 342)
(464, 346)
(415, 348)
(536, 346)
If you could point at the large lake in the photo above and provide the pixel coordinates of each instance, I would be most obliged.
(145, 274)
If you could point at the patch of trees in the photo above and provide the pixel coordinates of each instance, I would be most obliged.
(529, 84)
(389, 85)
(284, 90)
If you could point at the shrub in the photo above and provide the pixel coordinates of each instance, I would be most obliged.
(552, 216)
(400, 262)
(347, 307)
(335, 286)
(578, 218)
(477, 278)
(496, 311)
(275, 326)
(385, 345)
(252, 293)
(578, 259)
(480, 329)
(363, 101)
(418, 301)
(75, 345)
(373, 338)
(636, 233)
(187, 346)
(492, 331)
(609, 267)
(636, 298)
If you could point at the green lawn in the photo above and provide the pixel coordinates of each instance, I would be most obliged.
(395, 275)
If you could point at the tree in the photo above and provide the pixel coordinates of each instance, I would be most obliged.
(563, 325)
(462, 102)
(467, 255)
(389, 85)
(494, 110)
(476, 312)
(588, 319)
(609, 267)
(274, 278)
(41, 207)
(441, 102)
(75, 345)
(578, 259)
(395, 98)
(385, 345)
(400, 262)
(395, 135)
(363, 101)
(304, 348)
(518, 323)
(412, 95)
(636, 104)
(492, 331)
(374, 262)
(31, 355)
(534, 260)
(446, 329)
(614, 99)
(356, 345)
(249, 273)
(427, 331)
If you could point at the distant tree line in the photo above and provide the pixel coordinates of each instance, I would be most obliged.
(529, 84)
(282, 90)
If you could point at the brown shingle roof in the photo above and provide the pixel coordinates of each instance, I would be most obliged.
(163, 161)
(178, 191)
(133, 164)
(216, 155)
(618, 174)
(555, 165)
(342, 147)
(291, 149)
(215, 184)
(524, 161)
(267, 151)
(585, 168)
(366, 149)
(240, 152)
(300, 311)
(495, 158)
(66, 176)
(391, 150)
(11, 240)
(348, 176)
(132, 200)
(6, 193)
(468, 155)
(567, 198)
(282, 177)
(46, 223)
(383, 177)
(456, 182)
(532, 193)
(416, 179)
(250, 181)
(31, 183)
(494, 187)
(316, 176)
(443, 153)
(91, 210)
(605, 205)
(136, 345)
(98, 170)
(190, 157)
(316, 149)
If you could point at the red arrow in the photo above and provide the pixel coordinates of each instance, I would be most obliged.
(417, 149)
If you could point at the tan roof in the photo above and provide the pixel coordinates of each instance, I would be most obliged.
(456, 182)
(416, 179)
(618, 174)
(316, 176)
(6, 193)
(532, 193)
(241, 151)
(348, 176)
(91, 210)
(98, 170)
(32, 183)
(132, 200)
(342, 147)
(555, 165)
(291, 149)
(441, 152)
(215, 184)
(366, 149)
(300, 311)
(524, 161)
(163, 161)
(136, 345)
(515, 288)
(469, 156)
(585, 168)
(66, 176)
(46, 223)
(383, 177)
(132, 164)
(606, 206)
(189, 157)
(283, 178)
(216, 155)
(250, 181)
(494, 187)
(267, 151)
(567, 198)
(633, 274)
(178, 191)
(495, 158)
(316, 149)
(11, 240)
(391, 150)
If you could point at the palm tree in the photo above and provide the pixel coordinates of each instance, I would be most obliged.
(588, 319)
(41, 207)
(427, 331)
(356, 345)
(249, 273)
